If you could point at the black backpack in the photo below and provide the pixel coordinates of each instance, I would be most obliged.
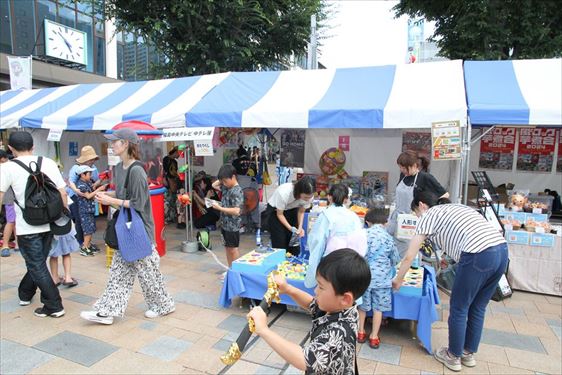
(43, 201)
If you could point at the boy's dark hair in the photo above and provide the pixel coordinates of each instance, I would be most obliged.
(226, 171)
(305, 185)
(428, 198)
(21, 141)
(347, 271)
(3, 154)
(377, 215)
(339, 193)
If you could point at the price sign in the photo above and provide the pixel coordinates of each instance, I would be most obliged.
(203, 148)
(54, 135)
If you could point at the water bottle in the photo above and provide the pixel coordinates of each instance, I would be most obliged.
(416, 262)
(258, 238)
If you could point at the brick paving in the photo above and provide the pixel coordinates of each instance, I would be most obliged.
(522, 334)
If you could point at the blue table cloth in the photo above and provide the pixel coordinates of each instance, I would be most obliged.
(421, 309)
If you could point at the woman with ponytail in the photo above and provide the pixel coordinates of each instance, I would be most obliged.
(481, 253)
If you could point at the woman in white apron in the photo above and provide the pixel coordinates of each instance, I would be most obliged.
(413, 177)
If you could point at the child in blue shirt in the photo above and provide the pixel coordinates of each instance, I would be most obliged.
(382, 256)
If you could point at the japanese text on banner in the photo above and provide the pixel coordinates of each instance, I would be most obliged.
(536, 149)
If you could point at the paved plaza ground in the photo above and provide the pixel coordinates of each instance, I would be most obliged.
(522, 334)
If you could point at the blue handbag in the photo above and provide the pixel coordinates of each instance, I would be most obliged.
(133, 240)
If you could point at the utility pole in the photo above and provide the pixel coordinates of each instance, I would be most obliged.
(312, 62)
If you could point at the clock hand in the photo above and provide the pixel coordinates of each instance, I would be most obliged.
(66, 42)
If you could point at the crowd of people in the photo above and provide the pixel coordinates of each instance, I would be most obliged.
(352, 265)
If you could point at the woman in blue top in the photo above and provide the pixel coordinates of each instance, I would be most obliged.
(336, 228)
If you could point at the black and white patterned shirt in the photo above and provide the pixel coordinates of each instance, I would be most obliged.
(233, 197)
(331, 349)
(458, 229)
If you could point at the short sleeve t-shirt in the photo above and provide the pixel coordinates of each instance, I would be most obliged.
(13, 175)
(85, 205)
(424, 182)
(233, 197)
(74, 177)
(283, 199)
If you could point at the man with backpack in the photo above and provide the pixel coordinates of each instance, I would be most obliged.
(35, 181)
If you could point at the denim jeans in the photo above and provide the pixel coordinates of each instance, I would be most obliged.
(35, 249)
(475, 282)
(75, 213)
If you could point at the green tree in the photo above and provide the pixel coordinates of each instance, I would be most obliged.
(210, 36)
(491, 29)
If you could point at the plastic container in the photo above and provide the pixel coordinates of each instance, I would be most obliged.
(157, 201)
(539, 204)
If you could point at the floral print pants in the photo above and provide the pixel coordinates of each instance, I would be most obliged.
(114, 299)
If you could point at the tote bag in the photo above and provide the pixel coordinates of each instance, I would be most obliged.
(133, 240)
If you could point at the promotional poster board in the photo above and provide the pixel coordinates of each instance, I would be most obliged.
(536, 149)
(292, 148)
(446, 140)
(419, 142)
(497, 149)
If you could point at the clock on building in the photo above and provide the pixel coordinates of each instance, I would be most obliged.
(65, 43)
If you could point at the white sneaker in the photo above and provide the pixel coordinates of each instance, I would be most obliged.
(153, 314)
(93, 316)
(25, 303)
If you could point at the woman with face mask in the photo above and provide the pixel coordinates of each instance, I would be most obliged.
(481, 255)
(287, 206)
(414, 177)
(337, 227)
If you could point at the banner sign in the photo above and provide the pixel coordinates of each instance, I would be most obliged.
(343, 142)
(292, 148)
(20, 72)
(187, 134)
(536, 149)
(446, 140)
(419, 142)
(497, 149)
(203, 148)
(55, 135)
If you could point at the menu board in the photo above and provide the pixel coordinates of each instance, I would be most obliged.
(497, 148)
(536, 149)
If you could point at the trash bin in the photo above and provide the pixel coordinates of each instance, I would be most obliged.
(157, 201)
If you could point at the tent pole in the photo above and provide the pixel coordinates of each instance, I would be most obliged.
(467, 147)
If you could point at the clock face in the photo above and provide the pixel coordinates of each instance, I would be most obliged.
(65, 43)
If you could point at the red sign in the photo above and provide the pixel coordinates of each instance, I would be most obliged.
(536, 149)
(497, 148)
(343, 142)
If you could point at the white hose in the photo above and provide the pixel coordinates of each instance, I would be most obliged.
(214, 256)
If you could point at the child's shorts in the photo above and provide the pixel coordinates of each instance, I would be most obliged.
(10, 213)
(88, 223)
(230, 239)
(379, 299)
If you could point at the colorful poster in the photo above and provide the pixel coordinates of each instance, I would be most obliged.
(292, 148)
(343, 142)
(559, 162)
(446, 140)
(73, 149)
(374, 184)
(419, 142)
(536, 149)
(497, 149)
(229, 154)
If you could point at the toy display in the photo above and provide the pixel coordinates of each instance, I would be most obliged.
(413, 281)
(293, 271)
(262, 260)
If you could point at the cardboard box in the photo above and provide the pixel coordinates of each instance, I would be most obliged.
(519, 237)
(542, 239)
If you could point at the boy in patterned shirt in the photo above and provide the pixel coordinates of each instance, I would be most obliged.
(229, 208)
(342, 276)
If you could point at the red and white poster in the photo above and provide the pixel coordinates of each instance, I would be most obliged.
(343, 142)
(536, 149)
(497, 149)
(559, 162)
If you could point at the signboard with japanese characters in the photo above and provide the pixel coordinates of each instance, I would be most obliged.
(559, 162)
(187, 134)
(446, 140)
(406, 226)
(203, 148)
(536, 149)
(497, 148)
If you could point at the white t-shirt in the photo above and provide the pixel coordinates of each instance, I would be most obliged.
(283, 198)
(12, 174)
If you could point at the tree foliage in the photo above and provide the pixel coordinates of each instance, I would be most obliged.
(210, 36)
(491, 29)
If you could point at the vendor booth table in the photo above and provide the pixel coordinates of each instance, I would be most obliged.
(536, 269)
(421, 309)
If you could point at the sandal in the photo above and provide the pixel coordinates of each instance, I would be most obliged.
(361, 337)
(70, 284)
(374, 343)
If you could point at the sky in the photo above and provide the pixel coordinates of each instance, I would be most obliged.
(364, 33)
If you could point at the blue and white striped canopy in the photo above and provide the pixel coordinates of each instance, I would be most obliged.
(401, 96)
(516, 92)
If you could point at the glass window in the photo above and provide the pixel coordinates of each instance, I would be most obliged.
(85, 6)
(100, 27)
(120, 71)
(25, 27)
(67, 16)
(142, 59)
(85, 23)
(129, 57)
(119, 37)
(45, 10)
(5, 27)
(100, 56)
